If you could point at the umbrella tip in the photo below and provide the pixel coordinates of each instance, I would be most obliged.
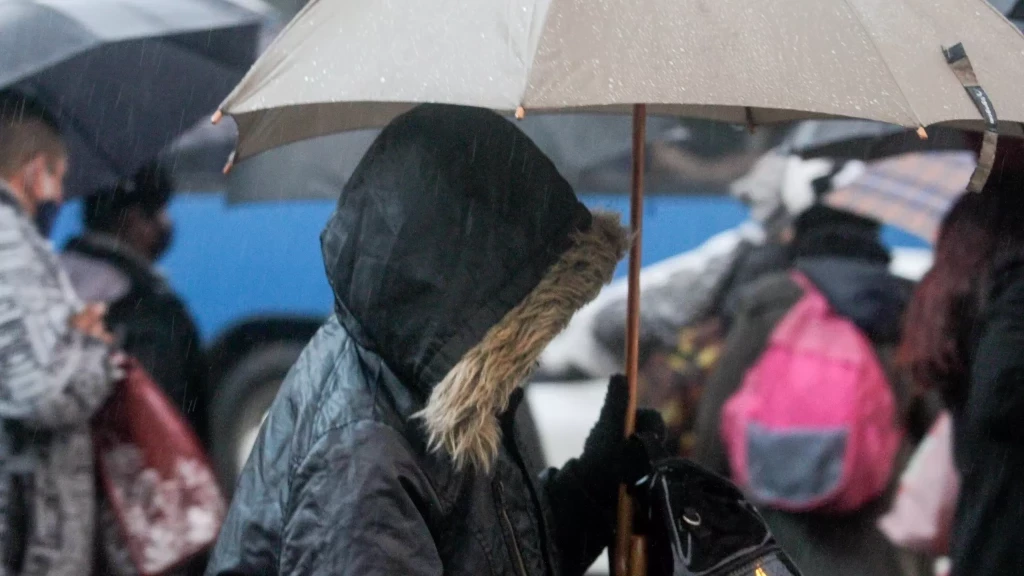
(216, 117)
(922, 133)
(520, 113)
(230, 163)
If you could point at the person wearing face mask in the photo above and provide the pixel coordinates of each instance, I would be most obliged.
(56, 364)
(127, 230)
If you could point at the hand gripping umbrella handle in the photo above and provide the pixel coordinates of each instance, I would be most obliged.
(630, 552)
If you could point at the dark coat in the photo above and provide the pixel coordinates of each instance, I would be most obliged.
(150, 321)
(866, 293)
(988, 531)
(455, 254)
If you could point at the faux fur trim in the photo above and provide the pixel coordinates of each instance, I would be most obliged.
(462, 414)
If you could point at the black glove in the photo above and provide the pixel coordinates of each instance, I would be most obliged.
(601, 466)
(584, 492)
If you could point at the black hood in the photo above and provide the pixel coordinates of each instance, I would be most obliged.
(451, 218)
(863, 291)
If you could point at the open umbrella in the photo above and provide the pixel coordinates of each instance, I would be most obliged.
(743, 62)
(865, 140)
(340, 66)
(108, 69)
(911, 191)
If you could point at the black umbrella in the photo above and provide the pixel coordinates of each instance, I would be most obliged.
(125, 77)
(864, 140)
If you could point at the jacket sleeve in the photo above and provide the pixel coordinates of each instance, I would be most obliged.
(996, 396)
(357, 508)
(764, 307)
(51, 375)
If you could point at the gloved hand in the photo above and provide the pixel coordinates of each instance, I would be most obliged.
(584, 493)
(601, 466)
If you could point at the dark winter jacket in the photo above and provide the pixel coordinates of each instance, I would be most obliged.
(865, 292)
(988, 531)
(455, 254)
(149, 319)
(755, 262)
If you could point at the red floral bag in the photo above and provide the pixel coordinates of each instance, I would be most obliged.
(155, 476)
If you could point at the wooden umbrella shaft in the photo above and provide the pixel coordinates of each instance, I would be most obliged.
(628, 554)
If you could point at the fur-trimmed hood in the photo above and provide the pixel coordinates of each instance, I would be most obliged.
(456, 253)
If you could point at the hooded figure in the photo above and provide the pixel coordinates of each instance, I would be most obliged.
(456, 253)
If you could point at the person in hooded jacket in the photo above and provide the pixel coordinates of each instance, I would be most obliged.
(127, 230)
(456, 253)
(843, 256)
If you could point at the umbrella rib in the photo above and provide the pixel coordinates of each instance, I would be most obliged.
(881, 55)
(252, 75)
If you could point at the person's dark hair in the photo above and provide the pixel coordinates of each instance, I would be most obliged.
(27, 128)
(977, 231)
(821, 231)
(104, 210)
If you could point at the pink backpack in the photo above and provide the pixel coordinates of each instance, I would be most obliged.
(813, 427)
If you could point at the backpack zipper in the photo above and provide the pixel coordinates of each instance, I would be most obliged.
(507, 524)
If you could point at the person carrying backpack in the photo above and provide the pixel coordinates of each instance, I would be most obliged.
(840, 299)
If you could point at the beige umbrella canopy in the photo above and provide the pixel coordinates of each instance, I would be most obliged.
(343, 65)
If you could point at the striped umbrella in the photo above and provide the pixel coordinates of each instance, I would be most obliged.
(911, 191)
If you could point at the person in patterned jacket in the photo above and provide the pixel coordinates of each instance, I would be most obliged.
(56, 366)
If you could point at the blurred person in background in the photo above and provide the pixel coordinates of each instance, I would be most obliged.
(761, 190)
(685, 314)
(964, 337)
(842, 255)
(127, 230)
(56, 367)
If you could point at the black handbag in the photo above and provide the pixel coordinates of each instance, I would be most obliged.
(697, 523)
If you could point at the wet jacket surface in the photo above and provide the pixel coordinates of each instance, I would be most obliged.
(452, 218)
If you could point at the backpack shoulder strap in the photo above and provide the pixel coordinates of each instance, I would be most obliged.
(802, 281)
(812, 305)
